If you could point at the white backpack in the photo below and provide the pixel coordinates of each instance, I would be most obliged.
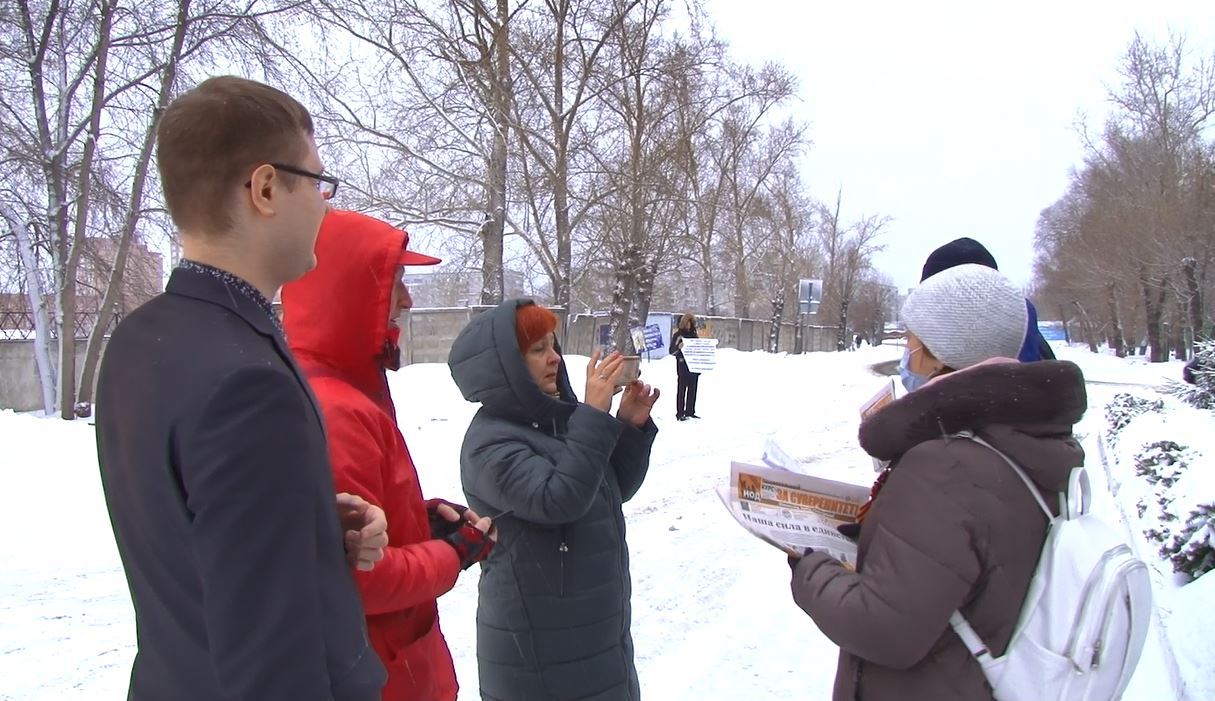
(1085, 616)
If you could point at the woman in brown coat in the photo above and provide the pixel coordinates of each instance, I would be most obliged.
(951, 527)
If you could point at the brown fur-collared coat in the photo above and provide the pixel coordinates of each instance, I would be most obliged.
(952, 528)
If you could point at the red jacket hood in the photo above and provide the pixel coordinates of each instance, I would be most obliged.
(336, 316)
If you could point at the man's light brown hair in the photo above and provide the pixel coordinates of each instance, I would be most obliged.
(212, 137)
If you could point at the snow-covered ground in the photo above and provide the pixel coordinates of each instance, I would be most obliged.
(713, 618)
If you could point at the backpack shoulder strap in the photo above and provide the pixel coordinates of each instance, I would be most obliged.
(1029, 484)
(970, 638)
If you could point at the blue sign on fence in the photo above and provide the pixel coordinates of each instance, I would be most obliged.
(653, 338)
(646, 338)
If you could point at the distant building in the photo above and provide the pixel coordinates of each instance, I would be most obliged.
(899, 299)
(893, 301)
(458, 288)
(142, 280)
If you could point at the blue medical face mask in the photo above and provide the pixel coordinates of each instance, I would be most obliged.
(911, 380)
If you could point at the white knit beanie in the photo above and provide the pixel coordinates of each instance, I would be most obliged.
(967, 314)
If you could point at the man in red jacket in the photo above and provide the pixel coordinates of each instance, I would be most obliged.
(340, 321)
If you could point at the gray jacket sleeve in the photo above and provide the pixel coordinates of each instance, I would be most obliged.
(919, 567)
(631, 459)
(547, 489)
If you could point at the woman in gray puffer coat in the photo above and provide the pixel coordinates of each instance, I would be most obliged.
(553, 609)
(951, 526)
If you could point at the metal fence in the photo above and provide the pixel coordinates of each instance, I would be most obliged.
(19, 325)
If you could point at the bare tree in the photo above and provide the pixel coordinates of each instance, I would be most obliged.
(83, 70)
(639, 56)
(421, 109)
(794, 253)
(747, 172)
(552, 124)
(135, 204)
(869, 313)
(848, 250)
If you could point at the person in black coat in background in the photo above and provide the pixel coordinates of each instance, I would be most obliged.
(212, 451)
(687, 381)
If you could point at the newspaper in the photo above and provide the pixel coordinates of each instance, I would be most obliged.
(780, 503)
(891, 390)
(793, 511)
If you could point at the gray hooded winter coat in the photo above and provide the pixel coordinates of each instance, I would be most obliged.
(553, 611)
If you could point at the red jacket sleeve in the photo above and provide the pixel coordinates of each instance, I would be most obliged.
(368, 459)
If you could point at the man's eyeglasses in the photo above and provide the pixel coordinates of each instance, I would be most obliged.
(327, 185)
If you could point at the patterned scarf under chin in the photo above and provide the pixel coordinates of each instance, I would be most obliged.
(873, 492)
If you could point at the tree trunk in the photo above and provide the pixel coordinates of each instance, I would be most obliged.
(42, 322)
(114, 286)
(1153, 312)
(710, 289)
(841, 334)
(645, 292)
(1189, 273)
(622, 300)
(778, 310)
(742, 295)
(1086, 327)
(492, 231)
(561, 139)
(1067, 334)
(562, 285)
(1177, 331)
(70, 251)
(1115, 336)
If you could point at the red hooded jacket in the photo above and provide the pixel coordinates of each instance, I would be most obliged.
(336, 320)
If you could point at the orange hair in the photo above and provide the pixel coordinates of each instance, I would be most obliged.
(532, 323)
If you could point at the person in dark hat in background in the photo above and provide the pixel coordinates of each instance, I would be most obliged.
(967, 250)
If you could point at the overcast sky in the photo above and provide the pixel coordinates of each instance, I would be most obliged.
(953, 118)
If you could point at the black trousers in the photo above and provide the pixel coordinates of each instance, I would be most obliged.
(685, 390)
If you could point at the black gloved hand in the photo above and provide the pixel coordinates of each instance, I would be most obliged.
(440, 527)
(794, 559)
(852, 531)
(471, 545)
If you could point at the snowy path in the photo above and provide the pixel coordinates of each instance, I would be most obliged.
(713, 618)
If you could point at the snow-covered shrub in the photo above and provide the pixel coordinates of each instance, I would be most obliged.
(1161, 462)
(1199, 388)
(1192, 550)
(1123, 408)
(1194, 395)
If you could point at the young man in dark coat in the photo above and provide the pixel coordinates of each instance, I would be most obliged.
(211, 446)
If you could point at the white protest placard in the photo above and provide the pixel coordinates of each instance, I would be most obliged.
(700, 353)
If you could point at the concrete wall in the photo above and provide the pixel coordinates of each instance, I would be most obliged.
(426, 337)
(427, 334)
(20, 388)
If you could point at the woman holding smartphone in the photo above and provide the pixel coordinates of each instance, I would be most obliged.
(553, 608)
